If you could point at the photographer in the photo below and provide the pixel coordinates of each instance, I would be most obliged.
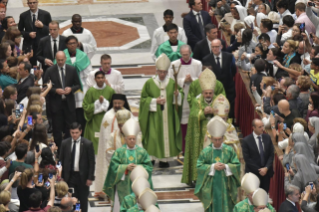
(285, 30)
(304, 204)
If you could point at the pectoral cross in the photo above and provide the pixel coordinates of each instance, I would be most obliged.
(105, 124)
(217, 159)
(131, 158)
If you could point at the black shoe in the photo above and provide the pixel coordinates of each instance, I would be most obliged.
(163, 164)
(153, 162)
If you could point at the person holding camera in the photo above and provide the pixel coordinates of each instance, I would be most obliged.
(305, 206)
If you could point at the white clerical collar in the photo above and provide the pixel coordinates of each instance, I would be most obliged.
(291, 201)
(218, 147)
(158, 79)
(98, 88)
(249, 201)
(130, 148)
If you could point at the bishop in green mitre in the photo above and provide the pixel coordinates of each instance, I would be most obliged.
(160, 114)
(95, 104)
(218, 170)
(172, 46)
(117, 184)
(201, 112)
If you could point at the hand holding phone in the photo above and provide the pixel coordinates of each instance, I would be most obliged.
(77, 207)
(287, 167)
(285, 126)
(30, 121)
(47, 184)
(311, 184)
(40, 178)
(58, 164)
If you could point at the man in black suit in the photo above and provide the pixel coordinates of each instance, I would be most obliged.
(65, 81)
(224, 67)
(50, 45)
(203, 47)
(33, 25)
(78, 162)
(292, 196)
(195, 21)
(258, 152)
(26, 80)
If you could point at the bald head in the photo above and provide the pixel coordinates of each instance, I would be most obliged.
(283, 106)
(216, 46)
(258, 126)
(301, 47)
(66, 203)
(60, 58)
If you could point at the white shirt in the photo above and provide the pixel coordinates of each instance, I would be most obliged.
(77, 153)
(286, 35)
(195, 13)
(209, 45)
(220, 59)
(52, 44)
(287, 12)
(257, 140)
(291, 201)
(273, 35)
(36, 14)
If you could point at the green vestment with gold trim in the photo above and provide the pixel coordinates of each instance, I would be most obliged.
(244, 206)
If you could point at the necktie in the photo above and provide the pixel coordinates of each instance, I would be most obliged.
(33, 22)
(201, 26)
(218, 63)
(63, 78)
(55, 48)
(261, 151)
(73, 156)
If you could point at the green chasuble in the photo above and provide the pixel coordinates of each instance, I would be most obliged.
(166, 48)
(161, 131)
(218, 192)
(117, 169)
(244, 206)
(128, 202)
(93, 121)
(135, 209)
(195, 90)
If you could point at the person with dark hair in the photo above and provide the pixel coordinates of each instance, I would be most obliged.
(302, 18)
(78, 162)
(246, 48)
(221, 7)
(21, 152)
(285, 30)
(203, 47)
(86, 41)
(95, 104)
(260, 52)
(5, 24)
(113, 77)
(171, 47)
(5, 79)
(264, 39)
(266, 26)
(256, 79)
(4, 165)
(195, 21)
(313, 107)
(304, 204)
(160, 34)
(283, 9)
(26, 80)
(47, 158)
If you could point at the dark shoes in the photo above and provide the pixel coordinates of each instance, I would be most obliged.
(163, 164)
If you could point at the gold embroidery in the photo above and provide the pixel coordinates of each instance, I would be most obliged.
(131, 158)
(217, 159)
(105, 124)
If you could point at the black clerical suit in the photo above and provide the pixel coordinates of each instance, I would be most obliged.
(23, 86)
(63, 109)
(202, 49)
(76, 173)
(194, 31)
(253, 157)
(26, 26)
(287, 206)
(225, 74)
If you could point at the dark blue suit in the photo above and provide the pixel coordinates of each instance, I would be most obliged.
(192, 27)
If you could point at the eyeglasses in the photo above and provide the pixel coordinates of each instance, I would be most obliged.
(35, 2)
(72, 43)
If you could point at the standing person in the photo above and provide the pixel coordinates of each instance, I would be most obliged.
(86, 39)
(160, 34)
(113, 77)
(65, 82)
(33, 25)
(258, 152)
(95, 104)
(77, 58)
(217, 166)
(195, 21)
(78, 162)
(190, 70)
(172, 46)
(302, 18)
(224, 67)
(158, 117)
(50, 45)
(26, 80)
(109, 125)
(292, 197)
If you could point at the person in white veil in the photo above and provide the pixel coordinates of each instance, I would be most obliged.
(259, 17)
(239, 13)
(297, 128)
(250, 24)
(305, 173)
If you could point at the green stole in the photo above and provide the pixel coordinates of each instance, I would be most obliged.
(217, 182)
(166, 48)
(131, 155)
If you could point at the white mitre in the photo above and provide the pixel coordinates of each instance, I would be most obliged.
(147, 198)
(207, 80)
(250, 182)
(131, 127)
(163, 62)
(221, 106)
(260, 197)
(217, 127)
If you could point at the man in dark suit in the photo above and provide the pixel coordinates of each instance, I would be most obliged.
(65, 81)
(26, 80)
(195, 21)
(78, 162)
(224, 67)
(33, 25)
(203, 47)
(50, 45)
(292, 196)
(258, 152)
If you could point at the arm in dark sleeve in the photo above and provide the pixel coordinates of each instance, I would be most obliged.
(46, 79)
(40, 57)
(249, 162)
(76, 82)
(45, 28)
(233, 66)
(267, 106)
(188, 30)
(21, 28)
(233, 47)
(197, 53)
(91, 158)
(270, 160)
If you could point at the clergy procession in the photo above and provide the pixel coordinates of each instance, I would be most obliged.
(71, 132)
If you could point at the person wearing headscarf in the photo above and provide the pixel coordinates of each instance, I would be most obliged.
(305, 173)
(297, 128)
(239, 13)
(250, 24)
(313, 126)
(259, 17)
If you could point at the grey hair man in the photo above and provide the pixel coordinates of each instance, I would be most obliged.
(292, 196)
(295, 102)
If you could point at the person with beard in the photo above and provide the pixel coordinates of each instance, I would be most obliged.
(109, 125)
(87, 41)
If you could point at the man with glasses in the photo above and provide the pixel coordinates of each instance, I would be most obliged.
(33, 25)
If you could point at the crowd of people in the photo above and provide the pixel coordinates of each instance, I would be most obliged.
(186, 110)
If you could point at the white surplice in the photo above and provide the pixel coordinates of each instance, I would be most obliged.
(86, 38)
(193, 69)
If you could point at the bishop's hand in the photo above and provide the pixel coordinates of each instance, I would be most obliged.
(131, 166)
